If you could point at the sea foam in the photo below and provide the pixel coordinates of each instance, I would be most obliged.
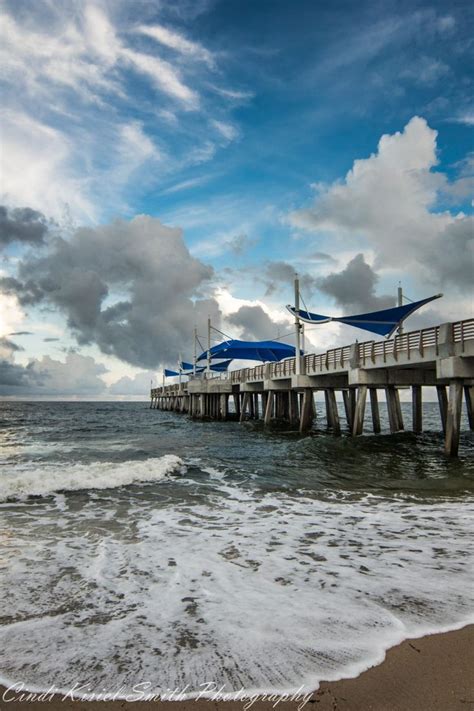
(34, 480)
(249, 590)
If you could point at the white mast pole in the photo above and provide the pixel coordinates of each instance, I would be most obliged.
(179, 371)
(400, 303)
(195, 353)
(163, 382)
(208, 368)
(297, 327)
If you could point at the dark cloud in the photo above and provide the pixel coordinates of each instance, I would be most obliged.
(452, 257)
(132, 288)
(8, 346)
(321, 257)
(280, 273)
(22, 224)
(78, 376)
(50, 340)
(256, 324)
(21, 333)
(353, 288)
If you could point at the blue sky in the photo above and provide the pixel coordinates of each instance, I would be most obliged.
(330, 138)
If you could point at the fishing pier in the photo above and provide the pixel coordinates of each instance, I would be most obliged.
(441, 356)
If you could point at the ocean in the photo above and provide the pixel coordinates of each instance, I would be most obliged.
(138, 547)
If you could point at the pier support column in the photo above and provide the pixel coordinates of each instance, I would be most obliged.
(293, 407)
(236, 397)
(374, 407)
(243, 410)
(417, 408)
(359, 413)
(306, 419)
(256, 409)
(443, 404)
(332, 414)
(390, 396)
(269, 408)
(453, 419)
(347, 408)
(469, 398)
(398, 408)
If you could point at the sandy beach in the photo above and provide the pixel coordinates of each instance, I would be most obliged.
(432, 673)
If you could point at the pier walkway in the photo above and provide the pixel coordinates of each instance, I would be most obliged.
(440, 356)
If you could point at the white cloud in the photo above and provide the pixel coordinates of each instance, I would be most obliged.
(36, 168)
(388, 200)
(164, 76)
(227, 130)
(178, 42)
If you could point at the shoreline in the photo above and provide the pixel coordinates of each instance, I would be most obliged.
(428, 673)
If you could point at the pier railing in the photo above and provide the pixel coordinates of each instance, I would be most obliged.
(413, 345)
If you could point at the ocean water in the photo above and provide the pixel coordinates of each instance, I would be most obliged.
(140, 548)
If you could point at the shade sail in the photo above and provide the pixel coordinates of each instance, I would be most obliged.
(216, 367)
(383, 322)
(170, 373)
(263, 351)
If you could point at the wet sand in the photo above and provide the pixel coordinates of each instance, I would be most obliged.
(433, 673)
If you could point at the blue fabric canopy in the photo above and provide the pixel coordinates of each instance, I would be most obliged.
(216, 367)
(263, 351)
(384, 322)
(170, 373)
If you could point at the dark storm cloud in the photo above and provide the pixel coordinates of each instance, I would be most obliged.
(452, 257)
(21, 333)
(50, 340)
(354, 287)
(256, 324)
(46, 377)
(280, 273)
(132, 288)
(9, 346)
(22, 224)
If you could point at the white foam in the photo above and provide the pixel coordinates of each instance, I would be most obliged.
(33, 480)
(265, 592)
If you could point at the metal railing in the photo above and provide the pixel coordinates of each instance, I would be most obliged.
(412, 344)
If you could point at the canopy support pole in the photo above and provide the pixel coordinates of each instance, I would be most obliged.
(297, 327)
(208, 367)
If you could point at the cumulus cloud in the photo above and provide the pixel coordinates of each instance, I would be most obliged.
(277, 273)
(389, 199)
(78, 376)
(353, 288)
(132, 288)
(138, 385)
(255, 324)
(22, 224)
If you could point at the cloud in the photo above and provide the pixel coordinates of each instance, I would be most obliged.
(82, 88)
(229, 132)
(277, 273)
(138, 385)
(353, 288)
(389, 200)
(255, 324)
(21, 333)
(179, 43)
(132, 288)
(78, 376)
(22, 224)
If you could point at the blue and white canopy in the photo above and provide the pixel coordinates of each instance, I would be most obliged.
(263, 351)
(384, 322)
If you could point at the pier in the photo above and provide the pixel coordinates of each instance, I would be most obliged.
(441, 356)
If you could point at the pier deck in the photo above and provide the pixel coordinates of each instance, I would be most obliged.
(440, 356)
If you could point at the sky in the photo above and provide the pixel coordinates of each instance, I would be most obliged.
(166, 161)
